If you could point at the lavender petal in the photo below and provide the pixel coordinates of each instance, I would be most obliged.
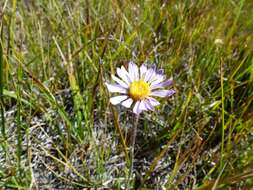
(163, 93)
(161, 84)
(136, 109)
(153, 102)
(127, 103)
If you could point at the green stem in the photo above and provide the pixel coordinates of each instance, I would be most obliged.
(132, 151)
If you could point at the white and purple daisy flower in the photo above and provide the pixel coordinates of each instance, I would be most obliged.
(138, 86)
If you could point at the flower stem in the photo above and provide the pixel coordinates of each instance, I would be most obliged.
(130, 174)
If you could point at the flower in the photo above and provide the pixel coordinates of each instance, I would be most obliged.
(138, 86)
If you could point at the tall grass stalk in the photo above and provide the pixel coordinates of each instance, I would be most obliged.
(2, 87)
(222, 115)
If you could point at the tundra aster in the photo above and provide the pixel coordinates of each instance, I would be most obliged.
(138, 87)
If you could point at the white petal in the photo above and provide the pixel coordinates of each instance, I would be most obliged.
(136, 109)
(117, 99)
(143, 70)
(153, 101)
(123, 74)
(127, 103)
(142, 106)
(163, 93)
(116, 88)
(120, 82)
(126, 73)
(133, 71)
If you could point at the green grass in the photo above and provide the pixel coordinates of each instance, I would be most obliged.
(58, 129)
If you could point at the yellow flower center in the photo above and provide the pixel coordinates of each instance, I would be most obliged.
(139, 90)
